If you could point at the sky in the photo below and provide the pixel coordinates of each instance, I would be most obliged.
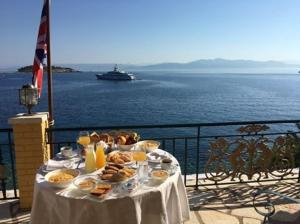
(152, 31)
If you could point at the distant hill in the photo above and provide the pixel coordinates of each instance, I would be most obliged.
(217, 63)
(56, 69)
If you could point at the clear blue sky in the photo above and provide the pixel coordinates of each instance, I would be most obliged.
(151, 31)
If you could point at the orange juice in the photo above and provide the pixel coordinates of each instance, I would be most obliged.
(139, 155)
(84, 140)
(90, 160)
(100, 156)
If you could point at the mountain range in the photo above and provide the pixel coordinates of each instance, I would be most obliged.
(217, 63)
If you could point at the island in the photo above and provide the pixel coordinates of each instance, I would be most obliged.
(56, 69)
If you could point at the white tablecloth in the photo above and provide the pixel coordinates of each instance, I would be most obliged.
(159, 204)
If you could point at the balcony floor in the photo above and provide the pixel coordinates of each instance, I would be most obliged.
(226, 204)
(232, 204)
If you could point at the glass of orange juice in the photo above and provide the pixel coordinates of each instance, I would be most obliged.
(83, 140)
(139, 155)
(100, 155)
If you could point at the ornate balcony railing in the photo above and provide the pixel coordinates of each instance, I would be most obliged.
(218, 153)
(209, 153)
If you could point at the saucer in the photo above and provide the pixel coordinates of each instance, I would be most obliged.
(61, 156)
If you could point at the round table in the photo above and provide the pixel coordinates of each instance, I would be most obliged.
(165, 203)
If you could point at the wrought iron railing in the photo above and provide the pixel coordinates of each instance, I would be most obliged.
(7, 165)
(218, 153)
(209, 153)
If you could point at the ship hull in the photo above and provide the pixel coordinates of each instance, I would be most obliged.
(115, 77)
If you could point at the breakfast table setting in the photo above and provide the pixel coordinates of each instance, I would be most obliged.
(110, 178)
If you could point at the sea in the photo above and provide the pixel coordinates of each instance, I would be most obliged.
(160, 97)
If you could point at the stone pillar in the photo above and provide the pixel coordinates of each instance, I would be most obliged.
(31, 151)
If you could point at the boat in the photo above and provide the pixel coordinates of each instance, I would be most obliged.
(116, 74)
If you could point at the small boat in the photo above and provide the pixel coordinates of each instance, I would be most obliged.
(116, 74)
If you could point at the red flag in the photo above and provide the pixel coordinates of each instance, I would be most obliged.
(40, 51)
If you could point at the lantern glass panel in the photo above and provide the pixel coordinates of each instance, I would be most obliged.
(28, 96)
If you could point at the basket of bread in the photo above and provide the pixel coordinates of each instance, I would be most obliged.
(126, 140)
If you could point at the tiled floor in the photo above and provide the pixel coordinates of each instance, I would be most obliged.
(233, 204)
(230, 204)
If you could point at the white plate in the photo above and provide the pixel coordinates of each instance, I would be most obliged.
(126, 163)
(79, 179)
(155, 157)
(119, 182)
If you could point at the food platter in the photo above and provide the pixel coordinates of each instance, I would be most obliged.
(120, 157)
(116, 173)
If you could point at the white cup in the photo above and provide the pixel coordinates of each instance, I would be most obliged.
(66, 151)
(165, 165)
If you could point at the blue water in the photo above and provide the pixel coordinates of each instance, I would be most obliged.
(160, 98)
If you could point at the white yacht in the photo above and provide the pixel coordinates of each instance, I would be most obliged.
(116, 74)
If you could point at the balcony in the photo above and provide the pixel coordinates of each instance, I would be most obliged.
(222, 165)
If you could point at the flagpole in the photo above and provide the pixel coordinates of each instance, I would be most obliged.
(49, 76)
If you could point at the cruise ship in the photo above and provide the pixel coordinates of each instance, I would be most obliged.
(116, 74)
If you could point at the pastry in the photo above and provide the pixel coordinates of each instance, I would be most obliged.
(97, 191)
(110, 171)
(101, 189)
(111, 167)
(117, 173)
(106, 176)
(119, 166)
(119, 157)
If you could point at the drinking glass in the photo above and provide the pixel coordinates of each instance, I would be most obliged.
(143, 171)
(84, 138)
(139, 155)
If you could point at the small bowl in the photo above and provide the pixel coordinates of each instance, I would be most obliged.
(159, 176)
(78, 181)
(126, 147)
(148, 145)
(62, 184)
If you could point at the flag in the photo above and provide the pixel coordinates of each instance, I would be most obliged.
(40, 51)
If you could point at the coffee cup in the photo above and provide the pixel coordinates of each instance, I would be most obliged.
(166, 163)
(66, 151)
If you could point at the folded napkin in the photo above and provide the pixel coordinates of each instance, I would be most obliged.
(55, 164)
